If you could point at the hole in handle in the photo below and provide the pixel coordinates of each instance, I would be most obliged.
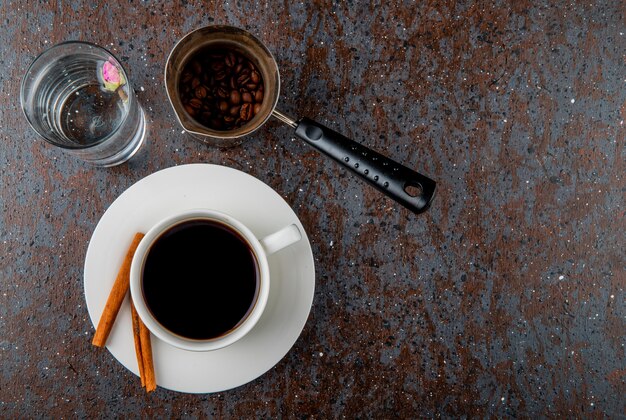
(413, 189)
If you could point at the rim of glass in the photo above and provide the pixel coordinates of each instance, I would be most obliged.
(131, 95)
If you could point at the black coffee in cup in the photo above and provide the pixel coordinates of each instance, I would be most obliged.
(200, 279)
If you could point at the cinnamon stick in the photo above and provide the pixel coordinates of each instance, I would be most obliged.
(146, 356)
(116, 297)
(136, 337)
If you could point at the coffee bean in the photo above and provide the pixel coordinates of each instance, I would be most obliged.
(230, 59)
(234, 111)
(243, 78)
(246, 112)
(220, 75)
(221, 89)
(222, 92)
(235, 97)
(190, 110)
(201, 92)
(195, 103)
(186, 78)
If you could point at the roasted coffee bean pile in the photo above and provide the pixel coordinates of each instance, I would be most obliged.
(221, 89)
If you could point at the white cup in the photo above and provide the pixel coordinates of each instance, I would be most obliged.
(261, 249)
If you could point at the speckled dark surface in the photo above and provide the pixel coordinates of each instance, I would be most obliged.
(505, 298)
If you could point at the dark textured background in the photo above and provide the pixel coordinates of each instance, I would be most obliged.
(506, 298)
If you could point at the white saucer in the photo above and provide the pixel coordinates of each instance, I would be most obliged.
(263, 211)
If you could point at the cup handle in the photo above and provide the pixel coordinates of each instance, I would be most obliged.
(281, 239)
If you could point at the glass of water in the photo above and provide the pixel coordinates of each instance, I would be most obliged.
(78, 97)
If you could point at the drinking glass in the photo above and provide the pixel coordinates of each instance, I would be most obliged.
(77, 96)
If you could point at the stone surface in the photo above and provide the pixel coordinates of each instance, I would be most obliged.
(506, 298)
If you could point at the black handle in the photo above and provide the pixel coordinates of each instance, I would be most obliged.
(409, 188)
